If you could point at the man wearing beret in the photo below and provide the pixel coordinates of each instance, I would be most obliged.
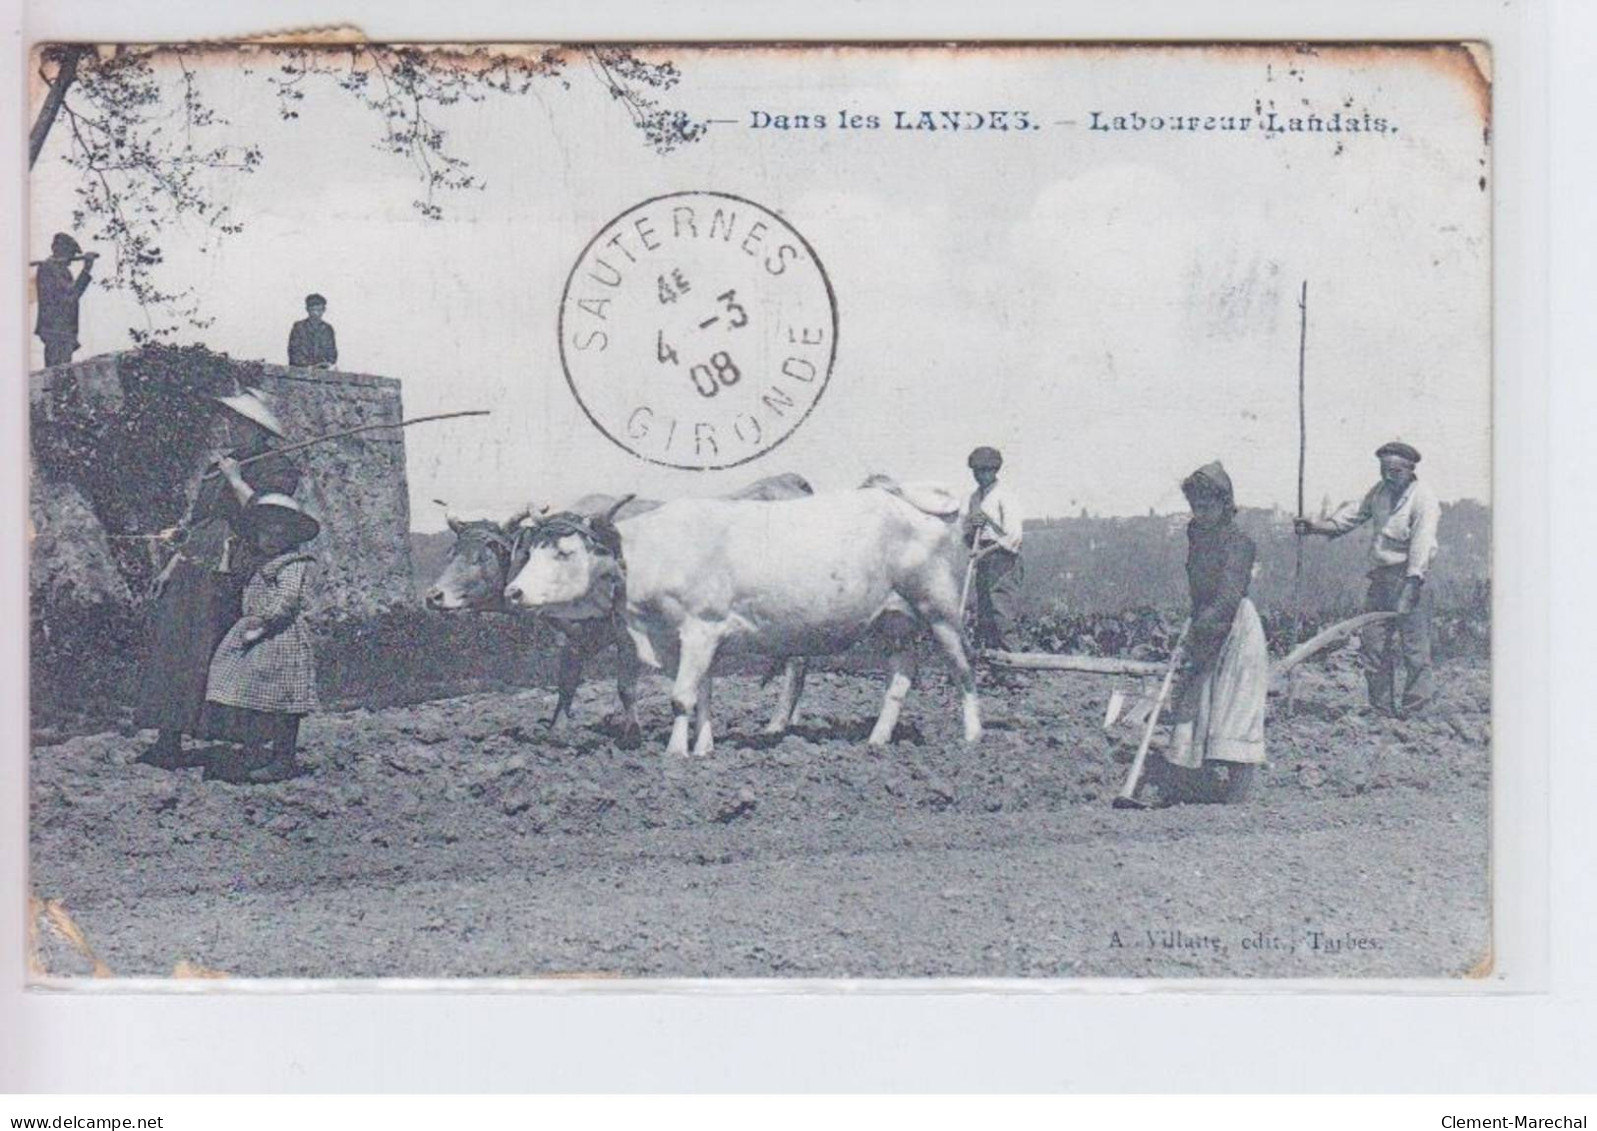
(992, 528)
(1402, 513)
(311, 344)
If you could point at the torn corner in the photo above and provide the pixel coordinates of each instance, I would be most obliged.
(1474, 58)
(1481, 55)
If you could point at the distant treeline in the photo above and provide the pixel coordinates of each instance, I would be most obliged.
(1110, 565)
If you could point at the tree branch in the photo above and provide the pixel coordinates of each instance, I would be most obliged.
(66, 74)
(113, 203)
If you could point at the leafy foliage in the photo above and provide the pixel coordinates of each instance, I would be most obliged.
(142, 143)
(405, 87)
(147, 142)
(132, 463)
(629, 80)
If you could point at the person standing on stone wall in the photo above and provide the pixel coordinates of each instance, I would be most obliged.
(311, 343)
(198, 596)
(58, 294)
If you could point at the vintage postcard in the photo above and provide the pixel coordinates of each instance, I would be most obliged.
(720, 511)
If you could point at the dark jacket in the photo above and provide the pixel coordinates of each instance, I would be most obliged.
(1219, 571)
(58, 293)
(312, 343)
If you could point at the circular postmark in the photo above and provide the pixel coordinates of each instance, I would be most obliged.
(698, 330)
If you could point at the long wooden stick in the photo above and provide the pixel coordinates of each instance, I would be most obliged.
(1128, 792)
(1091, 665)
(1303, 416)
(964, 593)
(287, 448)
(970, 575)
(1303, 449)
(1114, 665)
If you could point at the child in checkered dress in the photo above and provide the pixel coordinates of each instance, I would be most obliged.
(263, 675)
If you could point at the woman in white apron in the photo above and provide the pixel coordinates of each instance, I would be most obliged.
(1217, 705)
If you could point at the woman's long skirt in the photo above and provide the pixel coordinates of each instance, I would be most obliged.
(191, 616)
(1229, 722)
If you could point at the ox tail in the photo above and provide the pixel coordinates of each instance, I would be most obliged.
(778, 666)
(929, 498)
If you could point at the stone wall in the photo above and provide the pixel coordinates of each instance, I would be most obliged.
(71, 560)
(356, 486)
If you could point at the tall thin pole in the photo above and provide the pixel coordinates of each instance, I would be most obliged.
(1303, 417)
(1303, 451)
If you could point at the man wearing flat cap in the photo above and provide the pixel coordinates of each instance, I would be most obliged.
(1403, 514)
(992, 529)
(311, 343)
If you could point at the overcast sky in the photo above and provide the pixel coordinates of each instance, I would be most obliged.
(1110, 309)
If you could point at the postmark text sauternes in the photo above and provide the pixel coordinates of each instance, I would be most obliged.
(698, 330)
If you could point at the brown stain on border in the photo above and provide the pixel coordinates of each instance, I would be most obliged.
(1467, 62)
(185, 970)
(36, 967)
(54, 914)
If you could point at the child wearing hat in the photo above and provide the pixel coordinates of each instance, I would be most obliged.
(263, 676)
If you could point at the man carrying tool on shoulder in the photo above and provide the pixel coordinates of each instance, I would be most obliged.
(992, 528)
(58, 295)
(1403, 514)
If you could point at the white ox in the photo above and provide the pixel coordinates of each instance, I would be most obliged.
(807, 576)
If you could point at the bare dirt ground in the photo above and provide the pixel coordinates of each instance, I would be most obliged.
(457, 838)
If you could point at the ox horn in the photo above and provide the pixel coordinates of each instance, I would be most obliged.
(454, 523)
(518, 518)
(527, 512)
(610, 515)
